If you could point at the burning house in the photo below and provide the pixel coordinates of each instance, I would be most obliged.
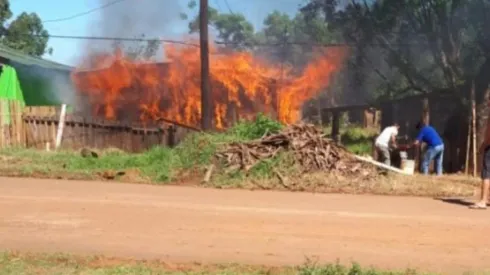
(242, 86)
(145, 93)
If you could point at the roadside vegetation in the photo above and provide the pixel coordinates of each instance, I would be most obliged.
(358, 140)
(13, 263)
(187, 163)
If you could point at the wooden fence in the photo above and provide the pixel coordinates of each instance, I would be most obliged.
(35, 127)
(11, 125)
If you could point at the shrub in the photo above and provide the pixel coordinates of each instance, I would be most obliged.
(358, 140)
(357, 134)
(254, 129)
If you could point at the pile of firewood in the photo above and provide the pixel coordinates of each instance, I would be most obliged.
(310, 148)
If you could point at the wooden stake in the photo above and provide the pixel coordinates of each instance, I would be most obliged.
(209, 172)
(319, 111)
(61, 126)
(18, 123)
(23, 126)
(473, 124)
(468, 141)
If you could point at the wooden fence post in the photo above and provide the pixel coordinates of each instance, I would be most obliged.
(336, 126)
(61, 126)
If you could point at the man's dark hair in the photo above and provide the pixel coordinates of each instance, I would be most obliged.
(396, 124)
(419, 125)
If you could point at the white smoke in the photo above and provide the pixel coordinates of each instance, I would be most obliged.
(149, 19)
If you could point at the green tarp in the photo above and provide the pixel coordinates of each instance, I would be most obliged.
(34, 86)
(9, 85)
(43, 87)
(43, 82)
(10, 90)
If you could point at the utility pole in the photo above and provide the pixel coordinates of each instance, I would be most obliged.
(206, 98)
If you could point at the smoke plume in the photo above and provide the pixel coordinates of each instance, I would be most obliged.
(147, 19)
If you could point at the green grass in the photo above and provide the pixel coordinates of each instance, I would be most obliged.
(159, 164)
(358, 140)
(18, 264)
(188, 162)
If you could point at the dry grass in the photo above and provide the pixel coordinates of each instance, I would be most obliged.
(16, 263)
(29, 263)
(399, 185)
(137, 169)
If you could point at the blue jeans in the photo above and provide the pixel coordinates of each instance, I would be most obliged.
(433, 153)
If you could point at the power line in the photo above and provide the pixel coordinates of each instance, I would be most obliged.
(84, 13)
(121, 39)
(180, 42)
(314, 44)
(228, 6)
(217, 4)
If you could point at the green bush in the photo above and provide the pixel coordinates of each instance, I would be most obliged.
(358, 140)
(248, 130)
(357, 134)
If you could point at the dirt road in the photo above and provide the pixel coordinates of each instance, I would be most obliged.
(183, 224)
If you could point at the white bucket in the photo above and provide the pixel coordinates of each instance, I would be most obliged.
(408, 166)
(403, 155)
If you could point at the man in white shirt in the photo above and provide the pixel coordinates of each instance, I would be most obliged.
(382, 142)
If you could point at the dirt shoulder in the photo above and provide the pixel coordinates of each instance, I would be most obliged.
(185, 224)
(66, 166)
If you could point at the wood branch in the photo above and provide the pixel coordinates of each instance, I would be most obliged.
(161, 119)
(282, 179)
(468, 142)
(412, 76)
(307, 145)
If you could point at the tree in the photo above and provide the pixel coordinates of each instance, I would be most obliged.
(27, 34)
(234, 30)
(429, 45)
(278, 32)
(5, 14)
(292, 40)
(428, 42)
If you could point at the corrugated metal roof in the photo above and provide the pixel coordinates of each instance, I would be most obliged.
(25, 59)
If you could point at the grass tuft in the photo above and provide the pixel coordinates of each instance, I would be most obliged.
(14, 263)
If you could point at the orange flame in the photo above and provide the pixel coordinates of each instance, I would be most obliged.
(120, 89)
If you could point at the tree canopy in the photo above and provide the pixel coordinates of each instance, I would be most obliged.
(397, 47)
(24, 33)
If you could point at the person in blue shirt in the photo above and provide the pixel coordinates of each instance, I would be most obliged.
(435, 147)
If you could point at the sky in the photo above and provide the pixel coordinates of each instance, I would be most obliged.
(68, 51)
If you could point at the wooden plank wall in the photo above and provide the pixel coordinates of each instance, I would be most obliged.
(11, 125)
(81, 132)
(35, 127)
